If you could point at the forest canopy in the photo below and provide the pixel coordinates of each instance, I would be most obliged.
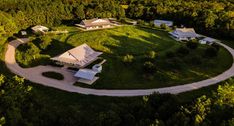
(213, 17)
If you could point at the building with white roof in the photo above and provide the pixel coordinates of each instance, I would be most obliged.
(40, 28)
(184, 34)
(95, 23)
(160, 22)
(78, 57)
(207, 40)
(86, 76)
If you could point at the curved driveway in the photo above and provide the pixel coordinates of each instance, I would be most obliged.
(34, 74)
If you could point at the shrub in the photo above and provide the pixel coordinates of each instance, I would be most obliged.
(53, 75)
(211, 52)
(140, 22)
(194, 60)
(216, 46)
(163, 26)
(174, 63)
(45, 42)
(151, 55)
(149, 67)
(183, 50)
(170, 54)
(192, 44)
(128, 58)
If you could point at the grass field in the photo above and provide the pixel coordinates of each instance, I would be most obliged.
(138, 41)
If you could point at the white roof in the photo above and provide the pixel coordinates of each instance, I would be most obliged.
(159, 22)
(39, 28)
(185, 33)
(86, 74)
(80, 55)
(208, 39)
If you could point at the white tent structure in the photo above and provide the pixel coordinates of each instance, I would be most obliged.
(86, 76)
(184, 34)
(160, 22)
(79, 56)
(40, 28)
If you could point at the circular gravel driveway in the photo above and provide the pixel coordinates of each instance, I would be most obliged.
(34, 74)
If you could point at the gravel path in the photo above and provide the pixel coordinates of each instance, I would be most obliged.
(34, 74)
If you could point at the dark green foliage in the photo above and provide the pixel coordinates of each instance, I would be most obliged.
(183, 51)
(192, 44)
(170, 54)
(211, 52)
(45, 41)
(174, 63)
(216, 46)
(53, 75)
(149, 67)
(163, 26)
(128, 59)
(151, 55)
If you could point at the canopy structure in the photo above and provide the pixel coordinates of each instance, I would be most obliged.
(160, 22)
(80, 56)
(86, 76)
(40, 28)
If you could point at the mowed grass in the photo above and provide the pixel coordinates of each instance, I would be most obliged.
(137, 41)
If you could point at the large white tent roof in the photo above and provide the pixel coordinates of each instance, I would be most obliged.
(80, 55)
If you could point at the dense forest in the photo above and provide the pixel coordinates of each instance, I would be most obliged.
(22, 105)
(213, 17)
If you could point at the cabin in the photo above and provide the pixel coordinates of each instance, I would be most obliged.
(160, 22)
(184, 34)
(207, 40)
(78, 57)
(95, 23)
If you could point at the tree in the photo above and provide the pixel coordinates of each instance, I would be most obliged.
(225, 94)
(79, 12)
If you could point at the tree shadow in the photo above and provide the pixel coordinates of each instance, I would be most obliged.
(57, 47)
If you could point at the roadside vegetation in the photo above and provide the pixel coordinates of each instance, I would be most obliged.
(35, 104)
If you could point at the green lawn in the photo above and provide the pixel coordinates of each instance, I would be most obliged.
(138, 41)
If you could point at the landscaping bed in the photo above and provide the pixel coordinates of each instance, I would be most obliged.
(53, 75)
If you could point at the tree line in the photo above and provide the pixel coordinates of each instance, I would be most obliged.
(21, 105)
(214, 17)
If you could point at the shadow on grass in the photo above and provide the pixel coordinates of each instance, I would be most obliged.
(57, 47)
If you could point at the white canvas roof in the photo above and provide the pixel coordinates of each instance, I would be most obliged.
(86, 74)
(80, 55)
(159, 22)
(208, 39)
(185, 33)
(40, 28)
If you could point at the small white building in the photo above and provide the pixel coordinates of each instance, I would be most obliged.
(86, 76)
(160, 22)
(207, 40)
(95, 23)
(184, 34)
(40, 28)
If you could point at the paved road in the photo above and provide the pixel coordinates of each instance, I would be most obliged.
(34, 74)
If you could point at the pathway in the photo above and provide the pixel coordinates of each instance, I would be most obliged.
(34, 74)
